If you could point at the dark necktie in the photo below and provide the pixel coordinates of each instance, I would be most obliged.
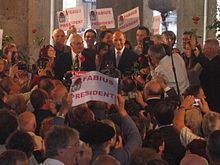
(76, 63)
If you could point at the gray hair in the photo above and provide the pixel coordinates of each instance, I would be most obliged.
(58, 137)
(157, 51)
(73, 37)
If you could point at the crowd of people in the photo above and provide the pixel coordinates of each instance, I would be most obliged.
(165, 113)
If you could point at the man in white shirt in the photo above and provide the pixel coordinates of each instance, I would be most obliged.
(162, 65)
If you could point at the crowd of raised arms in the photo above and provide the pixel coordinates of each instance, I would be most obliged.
(165, 113)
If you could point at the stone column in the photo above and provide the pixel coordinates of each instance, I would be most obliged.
(14, 21)
(39, 19)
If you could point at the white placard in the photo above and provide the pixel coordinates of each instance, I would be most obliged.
(1, 37)
(94, 86)
(63, 20)
(129, 20)
(76, 16)
(99, 17)
(156, 24)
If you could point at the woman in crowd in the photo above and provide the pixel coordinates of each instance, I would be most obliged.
(48, 52)
(192, 66)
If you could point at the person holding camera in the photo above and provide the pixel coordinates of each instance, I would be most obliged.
(141, 33)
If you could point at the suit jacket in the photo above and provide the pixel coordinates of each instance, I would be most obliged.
(126, 62)
(63, 62)
(210, 80)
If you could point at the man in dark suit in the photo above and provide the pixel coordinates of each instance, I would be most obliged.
(84, 58)
(121, 58)
(63, 54)
(209, 78)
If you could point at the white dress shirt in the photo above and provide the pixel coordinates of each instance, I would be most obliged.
(118, 54)
(50, 161)
(164, 69)
(74, 57)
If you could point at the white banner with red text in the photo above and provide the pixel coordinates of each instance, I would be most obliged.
(129, 20)
(100, 17)
(1, 38)
(63, 21)
(93, 86)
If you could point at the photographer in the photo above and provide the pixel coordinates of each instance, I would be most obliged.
(43, 69)
(129, 92)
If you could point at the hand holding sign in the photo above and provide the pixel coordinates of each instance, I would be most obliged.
(120, 104)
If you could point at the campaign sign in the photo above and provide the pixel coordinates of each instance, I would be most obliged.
(76, 16)
(93, 86)
(156, 24)
(1, 37)
(63, 20)
(129, 20)
(99, 17)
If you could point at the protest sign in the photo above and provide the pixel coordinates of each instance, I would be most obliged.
(93, 86)
(99, 17)
(129, 20)
(63, 20)
(156, 24)
(1, 38)
(76, 16)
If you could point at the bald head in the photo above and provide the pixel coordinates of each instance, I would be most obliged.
(27, 122)
(119, 40)
(58, 37)
(193, 159)
(152, 89)
(105, 160)
(58, 93)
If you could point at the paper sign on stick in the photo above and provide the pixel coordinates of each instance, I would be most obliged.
(76, 16)
(63, 20)
(99, 17)
(1, 37)
(156, 24)
(129, 20)
(93, 86)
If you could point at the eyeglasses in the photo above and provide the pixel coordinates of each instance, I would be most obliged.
(185, 39)
(76, 145)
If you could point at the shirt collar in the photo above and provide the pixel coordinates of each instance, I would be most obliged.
(121, 51)
(51, 161)
(74, 54)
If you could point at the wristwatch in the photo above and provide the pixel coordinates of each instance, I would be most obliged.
(183, 108)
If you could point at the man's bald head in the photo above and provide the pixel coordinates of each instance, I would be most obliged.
(58, 37)
(119, 40)
(152, 89)
(58, 93)
(27, 121)
(193, 159)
